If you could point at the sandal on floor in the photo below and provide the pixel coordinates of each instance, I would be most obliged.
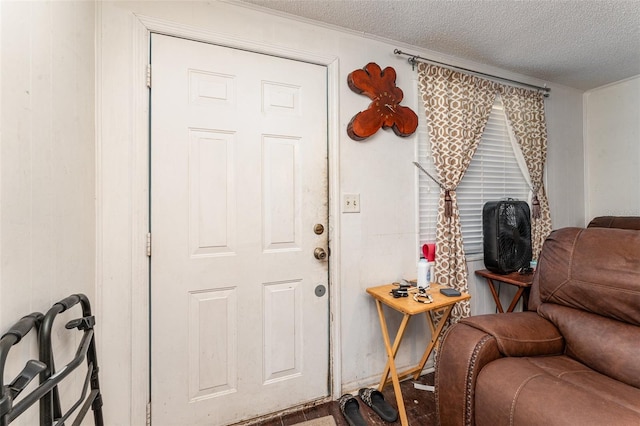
(374, 399)
(351, 410)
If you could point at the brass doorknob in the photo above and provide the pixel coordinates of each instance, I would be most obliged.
(319, 253)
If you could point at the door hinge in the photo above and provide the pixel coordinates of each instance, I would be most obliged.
(149, 76)
(148, 422)
(149, 244)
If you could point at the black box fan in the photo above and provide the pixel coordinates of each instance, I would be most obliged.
(506, 227)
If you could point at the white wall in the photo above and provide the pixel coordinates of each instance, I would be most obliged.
(612, 145)
(47, 160)
(565, 157)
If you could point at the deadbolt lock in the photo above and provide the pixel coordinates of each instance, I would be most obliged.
(318, 229)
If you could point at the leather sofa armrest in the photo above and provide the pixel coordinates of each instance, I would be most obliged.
(520, 333)
(473, 343)
(464, 350)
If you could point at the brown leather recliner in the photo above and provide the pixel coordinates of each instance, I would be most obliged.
(572, 359)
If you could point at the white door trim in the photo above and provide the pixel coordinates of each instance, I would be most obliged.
(138, 204)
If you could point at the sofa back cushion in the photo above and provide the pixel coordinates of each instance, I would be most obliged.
(605, 345)
(624, 222)
(595, 270)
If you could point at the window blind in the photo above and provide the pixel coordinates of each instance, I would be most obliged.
(493, 174)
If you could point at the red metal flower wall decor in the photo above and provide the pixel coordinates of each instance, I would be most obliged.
(385, 109)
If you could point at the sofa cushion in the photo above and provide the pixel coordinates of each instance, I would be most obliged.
(603, 344)
(551, 390)
(594, 269)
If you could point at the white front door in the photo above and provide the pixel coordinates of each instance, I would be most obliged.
(238, 185)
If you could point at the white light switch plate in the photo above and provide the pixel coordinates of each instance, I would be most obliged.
(350, 203)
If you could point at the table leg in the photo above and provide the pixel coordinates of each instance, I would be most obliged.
(514, 302)
(496, 298)
(435, 335)
(394, 350)
(525, 299)
(391, 362)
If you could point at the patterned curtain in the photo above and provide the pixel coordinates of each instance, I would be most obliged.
(525, 112)
(457, 107)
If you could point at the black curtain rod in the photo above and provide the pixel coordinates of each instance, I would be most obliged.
(413, 59)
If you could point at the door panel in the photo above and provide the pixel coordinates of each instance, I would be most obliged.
(238, 181)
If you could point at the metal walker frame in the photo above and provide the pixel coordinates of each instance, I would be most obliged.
(47, 392)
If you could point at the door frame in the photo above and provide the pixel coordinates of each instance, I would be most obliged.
(137, 206)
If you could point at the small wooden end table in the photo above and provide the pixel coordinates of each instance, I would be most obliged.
(409, 307)
(522, 281)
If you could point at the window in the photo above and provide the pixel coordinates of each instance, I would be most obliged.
(493, 174)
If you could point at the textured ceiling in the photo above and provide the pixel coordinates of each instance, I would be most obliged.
(581, 44)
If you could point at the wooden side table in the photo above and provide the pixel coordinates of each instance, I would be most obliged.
(409, 307)
(523, 282)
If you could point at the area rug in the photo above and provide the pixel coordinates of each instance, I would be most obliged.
(322, 421)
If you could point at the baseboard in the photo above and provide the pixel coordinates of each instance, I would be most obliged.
(373, 381)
